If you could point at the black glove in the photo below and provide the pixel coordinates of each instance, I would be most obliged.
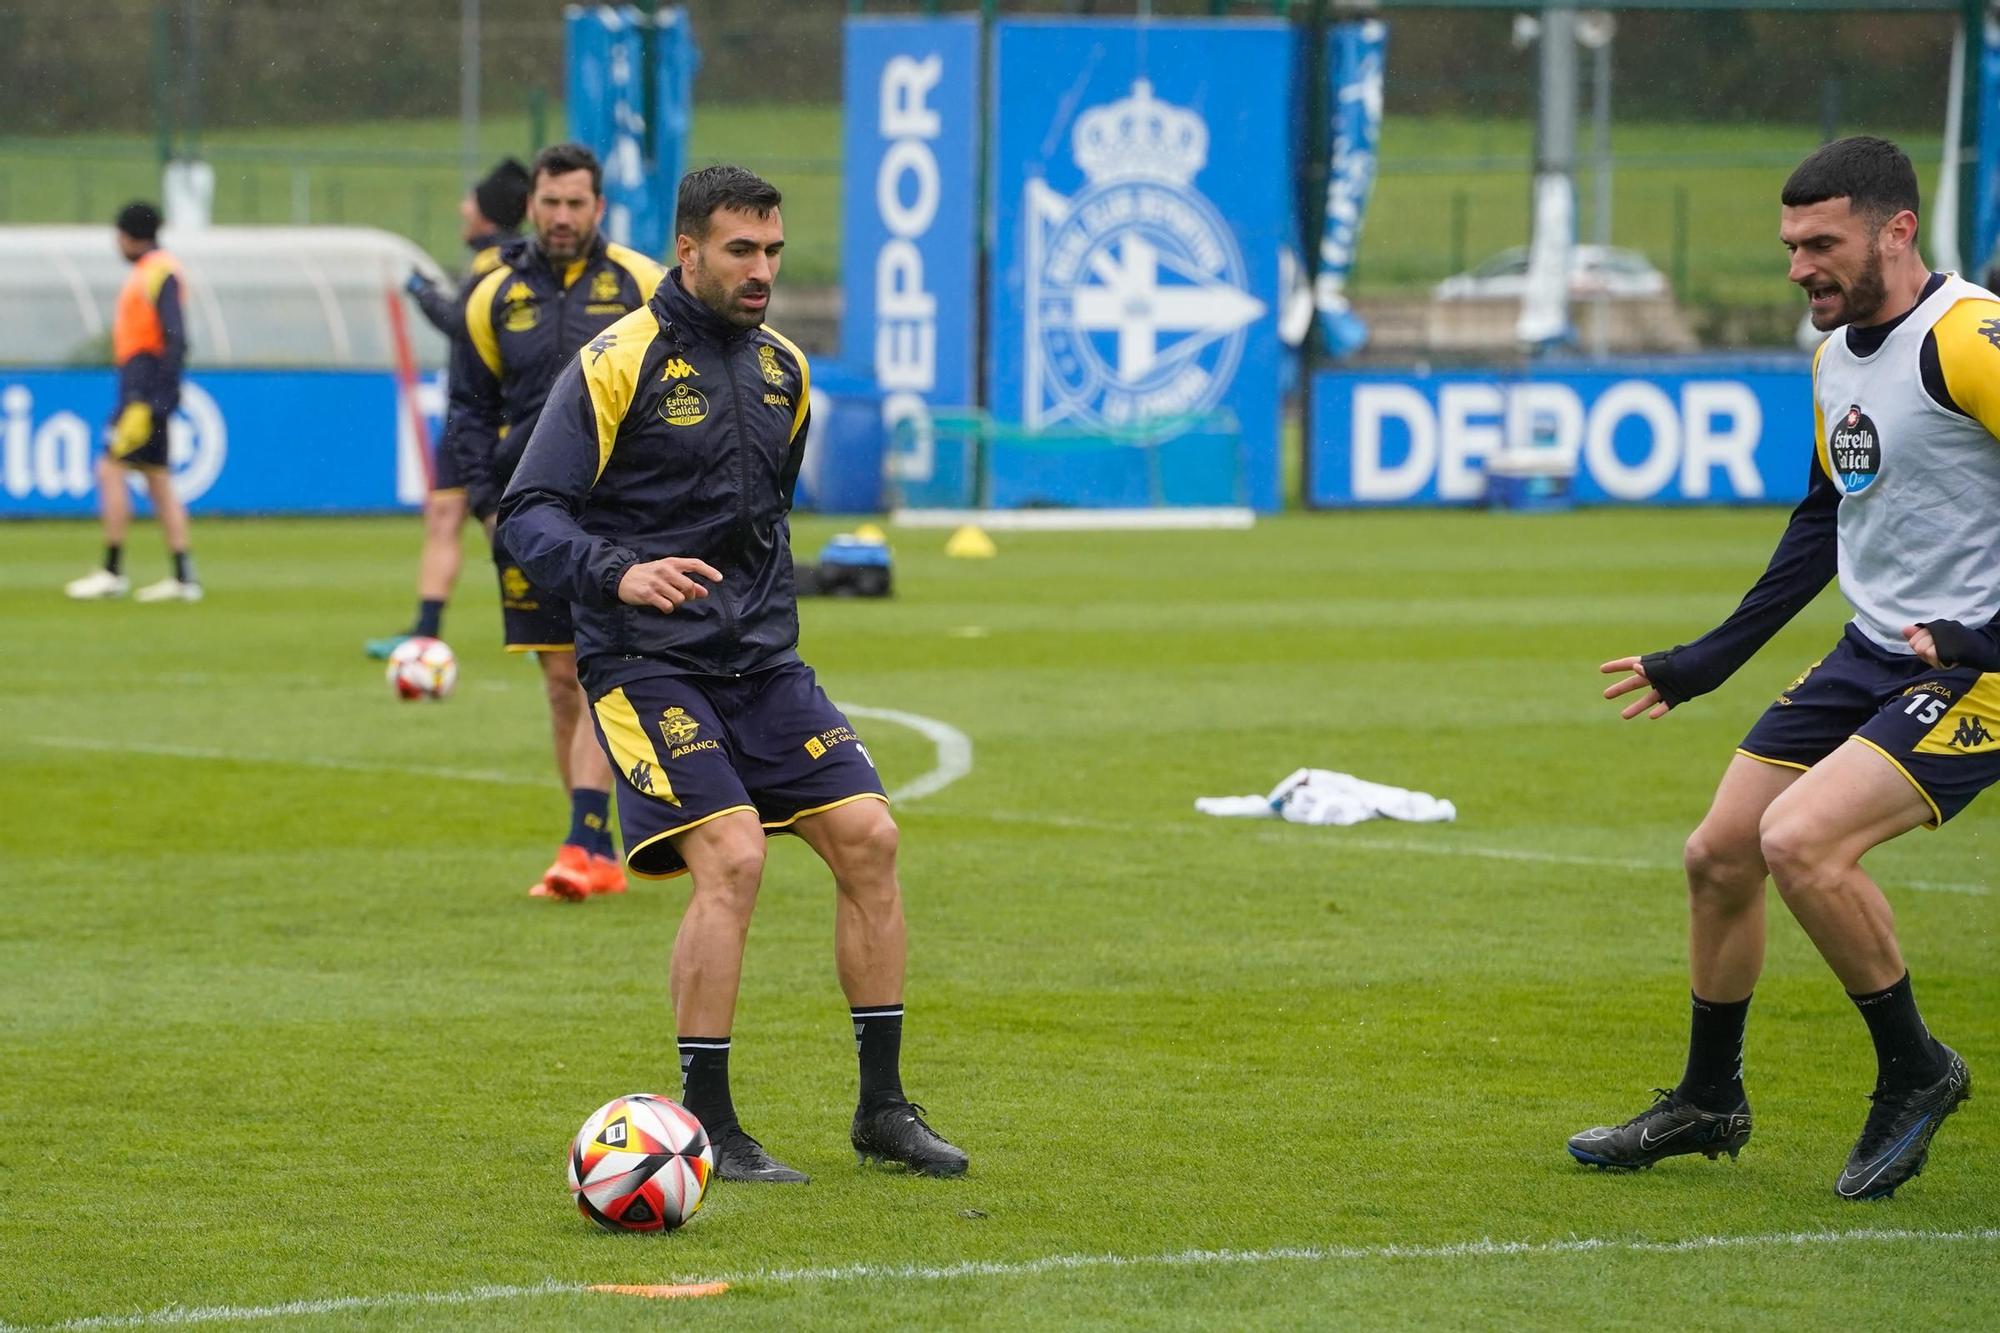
(1670, 680)
(1959, 646)
(418, 283)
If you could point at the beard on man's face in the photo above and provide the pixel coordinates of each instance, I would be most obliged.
(1861, 299)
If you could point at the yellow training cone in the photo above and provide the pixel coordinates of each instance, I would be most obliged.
(871, 532)
(969, 543)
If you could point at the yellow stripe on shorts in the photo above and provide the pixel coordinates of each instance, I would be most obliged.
(632, 749)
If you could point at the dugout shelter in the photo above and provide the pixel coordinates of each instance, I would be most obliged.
(317, 297)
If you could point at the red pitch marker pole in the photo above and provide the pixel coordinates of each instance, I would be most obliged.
(406, 384)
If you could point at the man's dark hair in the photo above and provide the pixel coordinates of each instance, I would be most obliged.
(140, 221)
(724, 186)
(502, 194)
(1873, 175)
(562, 158)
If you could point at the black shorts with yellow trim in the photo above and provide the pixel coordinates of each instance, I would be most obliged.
(1939, 727)
(689, 749)
(532, 620)
(152, 453)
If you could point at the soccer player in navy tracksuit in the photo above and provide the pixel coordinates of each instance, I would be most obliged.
(490, 214)
(1898, 725)
(551, 293)
(655, 494)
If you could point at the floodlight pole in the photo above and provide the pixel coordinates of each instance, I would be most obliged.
(1545, 318)
(468, 89)
(1973, 17)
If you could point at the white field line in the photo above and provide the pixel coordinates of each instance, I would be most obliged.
(954, 761)
(1340, 838)
(954, 756)
(954, 749)
(289, 760)
(1054, 1263)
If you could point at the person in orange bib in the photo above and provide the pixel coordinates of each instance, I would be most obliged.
(149, 345)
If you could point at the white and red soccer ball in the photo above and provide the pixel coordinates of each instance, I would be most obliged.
(640, 1163)
(422, 668)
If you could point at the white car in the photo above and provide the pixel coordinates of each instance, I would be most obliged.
(1594, 270)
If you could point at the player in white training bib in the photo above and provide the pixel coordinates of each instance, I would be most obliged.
(1898, 725)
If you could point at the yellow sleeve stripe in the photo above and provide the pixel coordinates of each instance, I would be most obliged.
(632, 749)
(1819, 417)
(1968, 344)
(485, 261)
(805, 379)
(479, 318)
(611, 375)
(159, 268)
(645, 272)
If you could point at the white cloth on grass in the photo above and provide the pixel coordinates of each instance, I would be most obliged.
(1321, 796)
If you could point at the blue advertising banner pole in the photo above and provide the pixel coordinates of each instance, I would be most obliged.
(1142, 196)
(606, 102)
(1987, 216)
(1355, 97)
(909, 240)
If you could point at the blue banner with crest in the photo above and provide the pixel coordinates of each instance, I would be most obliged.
(1142, 193)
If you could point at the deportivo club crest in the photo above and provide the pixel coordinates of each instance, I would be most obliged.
(677, 728)
(1137, 305)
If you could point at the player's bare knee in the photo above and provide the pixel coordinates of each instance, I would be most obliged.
(863, 852)
(730, 871)
(1800, 858)
(1722, 870)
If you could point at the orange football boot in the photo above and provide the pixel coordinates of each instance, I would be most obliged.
(568, 879)
(606, 874)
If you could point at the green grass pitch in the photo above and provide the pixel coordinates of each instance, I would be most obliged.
(282, 1038)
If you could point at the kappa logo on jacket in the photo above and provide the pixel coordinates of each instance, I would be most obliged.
(677, 369)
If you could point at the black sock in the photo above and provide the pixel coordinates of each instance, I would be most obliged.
(430, 618)
(878, 1041)
(114, 556)
(590, 820)
(1906, 1056)
(705, 1082)
(1713, 1079)
(183, 567)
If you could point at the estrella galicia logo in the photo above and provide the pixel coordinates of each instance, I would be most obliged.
(1137, 306)
(1855, 451)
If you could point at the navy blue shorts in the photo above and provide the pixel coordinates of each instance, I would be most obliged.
(447, 473)
(152, 452)
(1940, 727)
(530, 619)
(688, 749)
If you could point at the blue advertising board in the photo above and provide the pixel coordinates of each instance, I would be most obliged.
(607, 82)
(1650, 435)
(1142, 194)
(243, 441)
(910, 246)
